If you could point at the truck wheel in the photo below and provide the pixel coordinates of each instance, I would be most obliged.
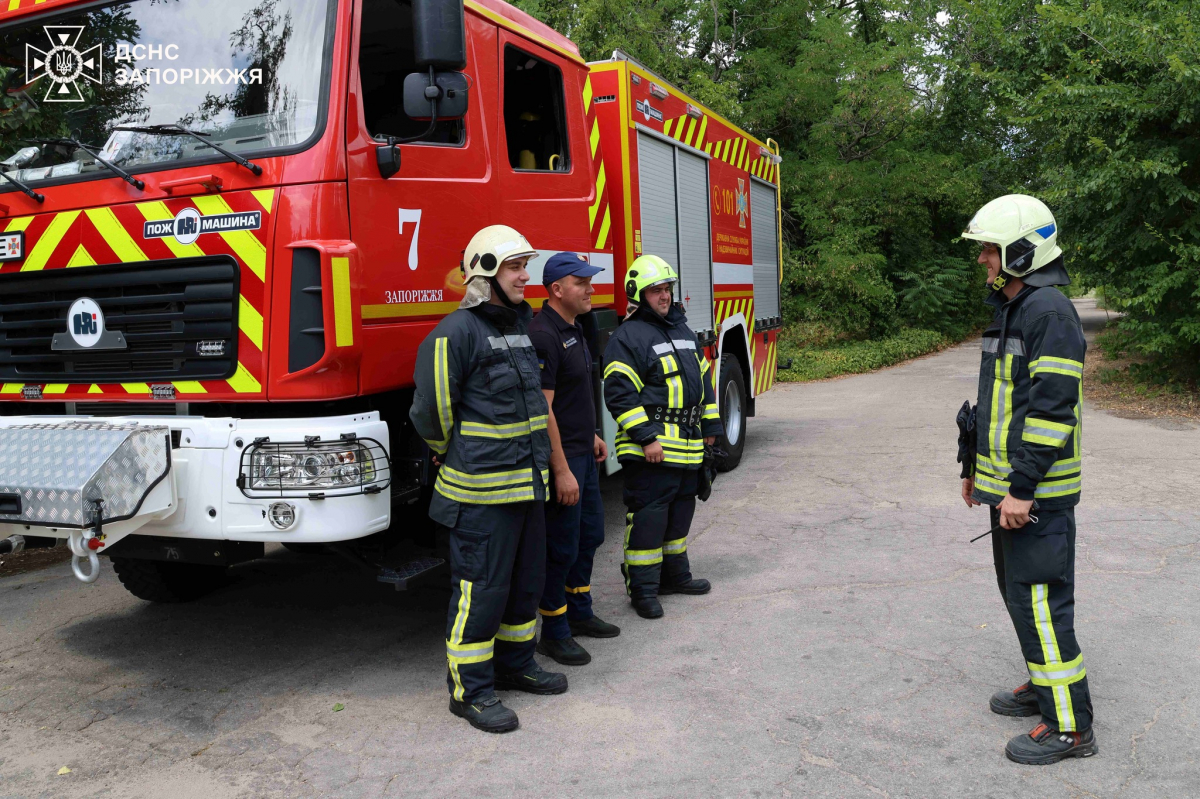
(731, 396)
(155, 581)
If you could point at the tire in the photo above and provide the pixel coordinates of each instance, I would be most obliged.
(732, 399)
(305, 549)
(155, 581)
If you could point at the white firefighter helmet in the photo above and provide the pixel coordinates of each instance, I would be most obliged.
(1022, 227)
(491, 247)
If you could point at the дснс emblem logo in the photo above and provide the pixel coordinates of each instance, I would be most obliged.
(63, 64)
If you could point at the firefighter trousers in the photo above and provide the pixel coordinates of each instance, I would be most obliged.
(497, 568)
(1035, 569)
(573, 534)
(660, 502)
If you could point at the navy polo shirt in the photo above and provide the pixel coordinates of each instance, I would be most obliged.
(566, 365)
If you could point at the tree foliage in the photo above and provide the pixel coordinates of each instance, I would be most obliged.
(898, 118)
(1103, 98)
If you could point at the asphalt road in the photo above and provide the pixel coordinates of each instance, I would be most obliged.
(848, 648)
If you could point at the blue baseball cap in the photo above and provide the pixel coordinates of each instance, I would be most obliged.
(567, 263)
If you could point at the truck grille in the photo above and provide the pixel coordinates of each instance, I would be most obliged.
(162, 307)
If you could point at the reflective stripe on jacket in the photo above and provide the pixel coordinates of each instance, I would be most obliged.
(479, 405)
(650, 362)
(1029, 419)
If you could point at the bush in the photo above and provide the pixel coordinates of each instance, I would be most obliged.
(816, 363)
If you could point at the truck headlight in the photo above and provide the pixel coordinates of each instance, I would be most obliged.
(341, 467)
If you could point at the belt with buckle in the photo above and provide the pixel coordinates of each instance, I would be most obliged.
(681, 416)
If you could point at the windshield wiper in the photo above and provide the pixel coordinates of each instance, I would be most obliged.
(179, 130)
(23, 187)
(125, 176)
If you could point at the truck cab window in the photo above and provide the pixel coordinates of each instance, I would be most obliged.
(534, 120)
(385, 57)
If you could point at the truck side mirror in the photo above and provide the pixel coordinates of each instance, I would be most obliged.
(387, 158)
(448, 90)
(440, 34)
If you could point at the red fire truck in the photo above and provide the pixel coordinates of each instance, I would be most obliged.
(223, 236)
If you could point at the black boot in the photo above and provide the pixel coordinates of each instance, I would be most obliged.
(647, 607)
(535, 680)
(489, 715)
(1045, 745)
(564, 650)
(1020, 701)
(692, 586)
(594, 627)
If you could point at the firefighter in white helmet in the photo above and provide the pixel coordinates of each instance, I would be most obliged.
(480, 408)
(1027, 458)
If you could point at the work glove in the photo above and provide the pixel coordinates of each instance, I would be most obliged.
(966, 438)
(708, 471)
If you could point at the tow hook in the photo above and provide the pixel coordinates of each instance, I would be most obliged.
(80, 543)
(83, 544)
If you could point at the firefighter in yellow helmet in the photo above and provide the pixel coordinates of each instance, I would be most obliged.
(658, 386)
(1027, 458)
(480, 408)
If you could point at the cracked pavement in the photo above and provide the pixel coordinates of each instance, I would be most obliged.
(848, 648)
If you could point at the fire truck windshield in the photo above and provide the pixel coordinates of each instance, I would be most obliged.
(251, 75)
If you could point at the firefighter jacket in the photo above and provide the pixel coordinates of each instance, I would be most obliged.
(1029, 418)
(479, 406)
(655, 374)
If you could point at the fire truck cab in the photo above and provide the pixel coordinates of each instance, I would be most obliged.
(223, 236)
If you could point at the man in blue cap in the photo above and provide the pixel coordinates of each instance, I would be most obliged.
(575, 513)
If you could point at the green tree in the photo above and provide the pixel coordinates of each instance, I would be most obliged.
(1100, 100)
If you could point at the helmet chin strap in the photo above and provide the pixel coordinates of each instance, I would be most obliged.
(499, 291)
(999, 282)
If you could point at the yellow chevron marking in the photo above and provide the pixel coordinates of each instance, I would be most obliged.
(243, 382)
(189, 387)
(56, 388)
(708, 148)
(250, 321)
(136, 388)
(13, 5)
(11, 388)
(602, 236)
(700, 135)
(265, 197)
(49, 241)
(115, 235)
(595, 138)
(690, 132)
(667, 127)
(595, 207)
(95, 389)
(243, 242)
(587, 94)
(157, 211)
(81, 258)
(20, 223)
(343, 314)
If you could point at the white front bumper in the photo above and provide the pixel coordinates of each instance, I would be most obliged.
(200, 497)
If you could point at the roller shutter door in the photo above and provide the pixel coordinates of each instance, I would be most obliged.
(695, 255)
(766, 250)
(656, 175)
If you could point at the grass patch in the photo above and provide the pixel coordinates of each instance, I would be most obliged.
(814, 357)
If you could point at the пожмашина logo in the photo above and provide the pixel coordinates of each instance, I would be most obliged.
(63, 63)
